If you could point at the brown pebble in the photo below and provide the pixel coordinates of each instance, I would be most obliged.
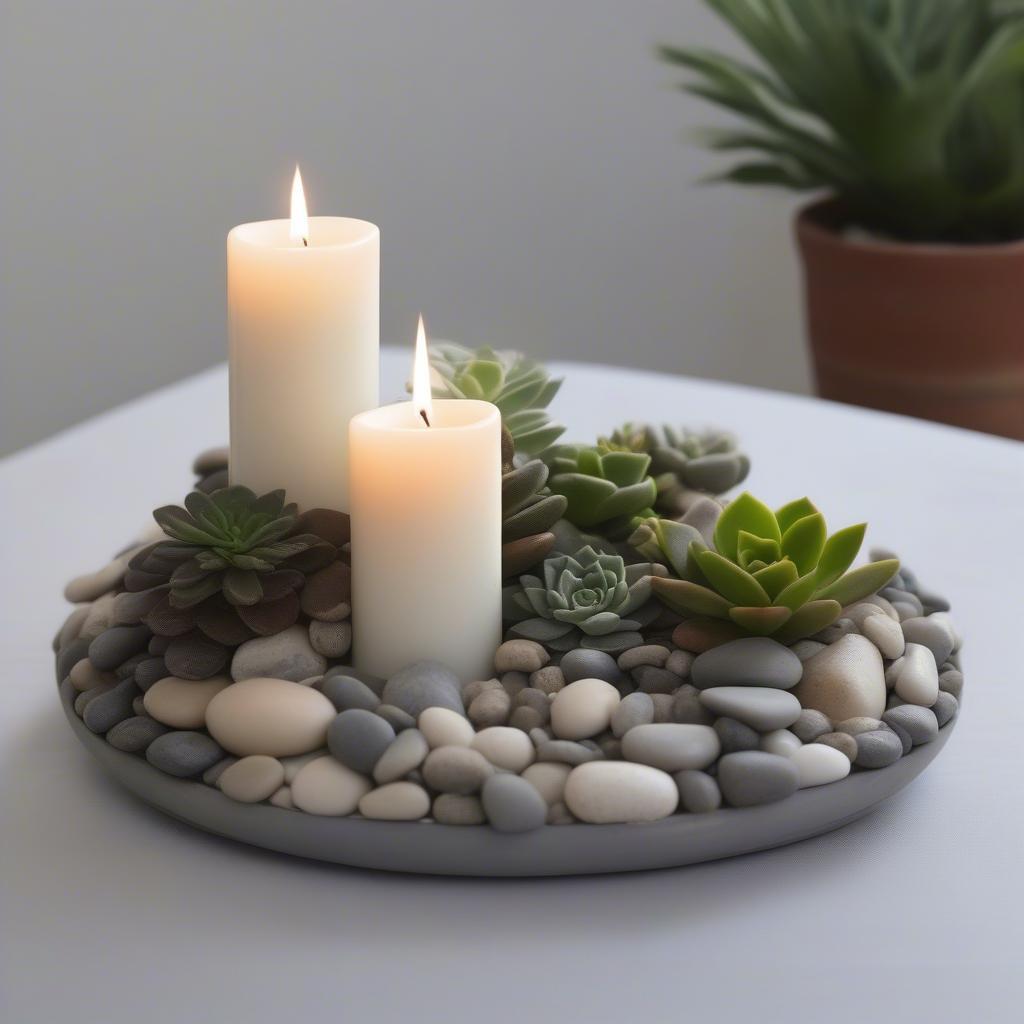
(842, 741)
(327, 594)
(548, 679)
(700, 635)
(526, 718)
(491, 707)
(663, 706)
(472, 690)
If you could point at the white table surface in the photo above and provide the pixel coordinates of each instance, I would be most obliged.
(112, 912)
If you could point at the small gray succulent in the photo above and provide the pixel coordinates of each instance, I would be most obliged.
(585, 600)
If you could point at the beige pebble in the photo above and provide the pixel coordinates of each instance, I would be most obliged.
(548, 778)
(94, 584)
(396, 801)
(443, 727)
(325, 786)
(520, 656)
(283, 798)
(99, 617)
(583, 709)
(504, 747)
(252, 779)
(182, 703)
(84, 675)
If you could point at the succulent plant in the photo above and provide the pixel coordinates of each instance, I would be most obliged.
(521, 388)
(684, 463)
(234, 564)
(587, 599)
(911, 112)
(528, 511)
(604, 490)
(771, 573)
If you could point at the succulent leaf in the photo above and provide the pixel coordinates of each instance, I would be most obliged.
(839, 552)
(732, 582)
(804, 541)
(750, 515)
(860, 582)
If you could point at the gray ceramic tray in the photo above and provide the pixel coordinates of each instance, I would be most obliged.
(429, 848)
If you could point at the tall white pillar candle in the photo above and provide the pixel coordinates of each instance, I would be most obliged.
(304, 326)
(426, 537)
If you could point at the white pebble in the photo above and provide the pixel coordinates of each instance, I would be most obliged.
(251, 779)
(583, 709)
(504, 747)
(818, 763)
(326, 786)
(885, 634)
(608, 792)
(780, 741)
(859, 613)
(548, 778)
(397, 801)
(918, 678)
(445, 728)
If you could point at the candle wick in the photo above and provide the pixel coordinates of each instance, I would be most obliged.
(305, 242)
(423, 413)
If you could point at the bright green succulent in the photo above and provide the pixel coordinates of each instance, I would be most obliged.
(227, 542)
(604, 490)
(909, 110)
(683, 461)
(528, 512)
(521, 389)
(771, 573)
(584, 600)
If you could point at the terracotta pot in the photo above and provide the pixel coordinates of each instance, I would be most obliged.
(935, 331)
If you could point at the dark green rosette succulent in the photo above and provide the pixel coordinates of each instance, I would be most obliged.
(604, 490)
(528, 512)
(771, 573)
(684, 463)
(584, 600)
(521, 388)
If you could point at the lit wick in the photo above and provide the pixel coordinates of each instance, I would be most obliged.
(421, 397)
(299, 226)
(423, 414)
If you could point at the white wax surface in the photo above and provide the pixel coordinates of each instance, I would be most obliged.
(304, 329)
(426, 537)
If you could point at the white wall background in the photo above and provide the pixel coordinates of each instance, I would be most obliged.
(526, 161)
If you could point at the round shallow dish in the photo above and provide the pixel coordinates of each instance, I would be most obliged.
(432, 849)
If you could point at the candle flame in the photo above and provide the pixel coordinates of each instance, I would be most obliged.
(299, 228)
(421, 396)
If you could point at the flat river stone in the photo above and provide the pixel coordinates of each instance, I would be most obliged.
(752, 661)
(609, 792)
(762, 708)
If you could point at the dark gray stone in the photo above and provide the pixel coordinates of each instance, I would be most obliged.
(902, 733)
(358, 737)
(118, 644)
(761, 707)
(735, 736)
(752, 661)
(878, 749)
(347, 692)
(150, 671)
(459, 770)
(86, 697)
(513, 682)
(919, 723)
(127, 668)
(698, 791)
(753, 777)
(70, 655)
(398, 719)
(651, 679)
(109, 708)
(945, 708)
(512, 804)
(687, 708)
(582, 663)
(567, 752)
(810, 725)
(134, 734)
(952, 681)
(374, 683)
(634, 709)
(184, 754)
(425, 684)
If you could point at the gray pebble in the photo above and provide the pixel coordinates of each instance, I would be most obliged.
(456, 809)
(753, 777)
(936, 636)
(735, 736)
(904, 737)
(357, 738)
(512, 804)
(398, 719)
(952, 681)
(183, 754)
(520, 656)
(842, 741)
(86, 697)
(70, 655)
(426, 684)
(663, 705)
(134, 734)
(406, 753)
(878, 749)
(830, 634)
(855, 726)
(651, 679)
(539, 736)
(895, 596)
(559, 814)
(567, 752)
(698, 791)
(473, 689)
(347, 693)
(212, 774)
(103, 713)
(810, 725)
(513, 682)
(368, 679)
(932, 602)
(610, 747)
(805, 649)
(491, 708)
(583, 663)
(752, 661)
(687, 707)
(634, 709)
(919, 723)
(761, 707)
(680, 663)
(150, 671)
(527, 718)
(127, 668)
(531, 698)
(645, 654)
(118, 644)
(139, 705)
(459, 770)
(549, 679)
(945, 708)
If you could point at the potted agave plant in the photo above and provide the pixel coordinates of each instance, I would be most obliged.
(909, 116)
